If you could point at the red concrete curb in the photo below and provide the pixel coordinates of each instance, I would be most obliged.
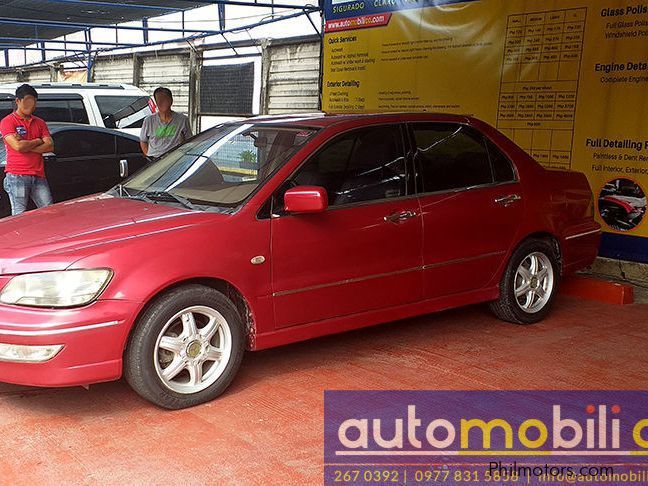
(599, 290)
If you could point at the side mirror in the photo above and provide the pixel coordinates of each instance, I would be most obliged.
(49, 157)
(306, 199)
(110, 122)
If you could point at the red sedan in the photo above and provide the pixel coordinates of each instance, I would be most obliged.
(274, 230)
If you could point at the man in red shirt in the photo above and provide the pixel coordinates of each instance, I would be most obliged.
(26, 139)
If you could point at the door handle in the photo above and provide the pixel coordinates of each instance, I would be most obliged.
(123, 168)
(400, 217)
(508, 200)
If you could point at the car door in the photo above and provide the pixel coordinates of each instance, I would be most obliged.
(470, 205)
(130, 158)
(85, 163)
(364, 252)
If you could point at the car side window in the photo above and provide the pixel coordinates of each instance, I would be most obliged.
(127, 145)
(502, 167)
(71, 111)
(362, 165)
(78, 112)
(83, 143)
(450, 156)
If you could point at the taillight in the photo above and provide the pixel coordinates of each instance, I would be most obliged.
(152, 105)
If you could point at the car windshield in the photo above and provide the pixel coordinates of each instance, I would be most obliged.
(222, 166)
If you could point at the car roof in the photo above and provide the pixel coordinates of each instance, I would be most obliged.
(55, 127)
(74, 86)
(44, 96)
(322, 120)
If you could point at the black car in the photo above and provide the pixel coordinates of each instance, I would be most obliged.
(87, 160)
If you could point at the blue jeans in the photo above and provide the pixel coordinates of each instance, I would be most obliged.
(22, 188)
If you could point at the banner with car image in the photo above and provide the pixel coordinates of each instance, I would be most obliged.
(566, 80)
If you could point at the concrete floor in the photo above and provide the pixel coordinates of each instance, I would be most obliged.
(268, 428)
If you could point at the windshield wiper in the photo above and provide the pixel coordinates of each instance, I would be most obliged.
(166, 196)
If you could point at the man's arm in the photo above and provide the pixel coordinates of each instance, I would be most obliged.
(186, 135)
(14, 141)
(46, 146)
(144, 136)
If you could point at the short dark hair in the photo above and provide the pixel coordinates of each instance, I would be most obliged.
(26, 90)
(161, 90)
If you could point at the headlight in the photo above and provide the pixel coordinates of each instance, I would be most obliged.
(56, 289)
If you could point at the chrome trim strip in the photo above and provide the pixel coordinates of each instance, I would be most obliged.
(54, 332)
(587, 233)
(343, 282)
(382, 275)
(463, 260)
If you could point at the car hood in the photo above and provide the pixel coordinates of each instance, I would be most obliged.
(51, 238)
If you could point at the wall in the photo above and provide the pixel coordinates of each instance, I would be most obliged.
(291, 75)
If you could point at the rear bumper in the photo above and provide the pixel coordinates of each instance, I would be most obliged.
(93, 340)
(580, 247)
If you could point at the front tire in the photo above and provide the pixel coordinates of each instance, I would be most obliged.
(529, 284)
(186, 348)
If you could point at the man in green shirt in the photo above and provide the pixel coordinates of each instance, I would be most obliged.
(164, 130)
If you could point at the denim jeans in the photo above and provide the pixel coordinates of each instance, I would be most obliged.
(22, 188)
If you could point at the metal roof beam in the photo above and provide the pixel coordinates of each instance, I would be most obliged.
(265, 21)
(18, 47)
(118, 5)
(74, 25)
(254, 3)
(58, 41)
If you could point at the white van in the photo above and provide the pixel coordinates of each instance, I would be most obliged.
(120, 106)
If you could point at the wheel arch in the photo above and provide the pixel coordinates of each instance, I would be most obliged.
(223, 286)
(546, 236)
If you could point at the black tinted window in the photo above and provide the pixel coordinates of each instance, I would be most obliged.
(127, 145)
(6, 107)
(83, 143)
(78, 113)
(362, 165)
(502, 167)
(71, 111)
(450, 156)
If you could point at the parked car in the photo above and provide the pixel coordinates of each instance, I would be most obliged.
(343, 222)
(86, 160)
(119, 106)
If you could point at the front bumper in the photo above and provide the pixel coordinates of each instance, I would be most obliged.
(93, 339)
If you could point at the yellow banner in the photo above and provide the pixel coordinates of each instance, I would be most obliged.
(566, 80)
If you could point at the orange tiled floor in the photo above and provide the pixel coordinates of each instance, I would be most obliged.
(267, 429)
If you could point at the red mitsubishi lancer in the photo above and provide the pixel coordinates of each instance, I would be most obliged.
(269, 231)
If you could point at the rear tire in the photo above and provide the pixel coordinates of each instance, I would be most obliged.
(529, 284)
(186, 348)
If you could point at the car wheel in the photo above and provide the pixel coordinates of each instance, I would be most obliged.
(185, 348)
(529, 283)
